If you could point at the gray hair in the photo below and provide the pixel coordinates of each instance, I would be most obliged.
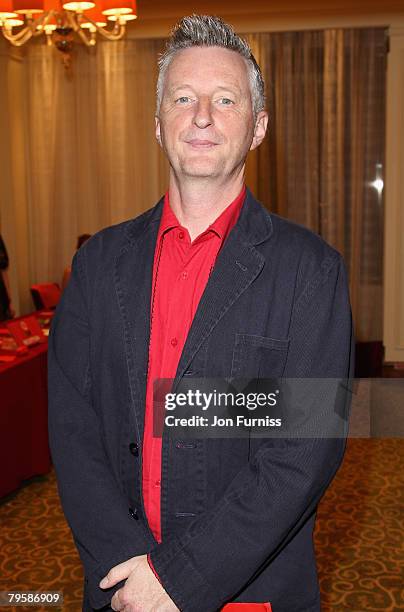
(211, 31)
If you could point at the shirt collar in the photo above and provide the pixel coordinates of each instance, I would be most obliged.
(221, 226)
(227, 219)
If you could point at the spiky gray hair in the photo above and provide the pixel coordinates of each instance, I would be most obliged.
(210, 31)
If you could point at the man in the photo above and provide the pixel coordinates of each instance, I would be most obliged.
(6, 309)
(205, 284)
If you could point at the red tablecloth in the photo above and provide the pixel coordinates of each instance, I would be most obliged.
(24, 449)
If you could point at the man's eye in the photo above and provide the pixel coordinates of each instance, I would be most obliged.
(226, 101)
(183, 100)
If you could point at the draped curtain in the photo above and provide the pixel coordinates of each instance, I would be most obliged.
(326, 94)
(78, 151)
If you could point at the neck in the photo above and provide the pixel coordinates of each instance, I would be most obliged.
(197, 204)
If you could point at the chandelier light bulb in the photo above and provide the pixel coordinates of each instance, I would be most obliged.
(78, 6)
(6, 10)
(28, 7)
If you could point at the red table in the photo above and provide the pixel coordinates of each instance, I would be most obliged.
(24, 449)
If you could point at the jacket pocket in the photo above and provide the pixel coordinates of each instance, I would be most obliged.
(258, 356)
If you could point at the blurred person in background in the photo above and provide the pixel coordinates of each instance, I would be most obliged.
(6, 309)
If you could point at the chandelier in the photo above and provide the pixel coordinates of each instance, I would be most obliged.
(58, 20)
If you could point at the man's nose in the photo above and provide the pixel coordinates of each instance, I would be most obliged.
(203, 113)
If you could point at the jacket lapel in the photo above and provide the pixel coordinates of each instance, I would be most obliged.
(133, 278)
(237, 265)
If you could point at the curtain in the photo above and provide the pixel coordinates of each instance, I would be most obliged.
(78, 150)
(322, 162)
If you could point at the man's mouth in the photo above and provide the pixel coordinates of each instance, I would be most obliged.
(197, 143)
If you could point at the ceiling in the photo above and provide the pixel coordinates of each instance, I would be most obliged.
(156, 17)
(157, 9)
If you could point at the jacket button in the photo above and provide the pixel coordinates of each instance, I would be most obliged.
(134, 449)
(133, 513)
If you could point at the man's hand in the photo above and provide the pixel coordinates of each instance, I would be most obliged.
(142, 591)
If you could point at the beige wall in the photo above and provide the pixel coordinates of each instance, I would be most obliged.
(394, 197)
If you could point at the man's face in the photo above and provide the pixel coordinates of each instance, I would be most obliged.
(206, 124)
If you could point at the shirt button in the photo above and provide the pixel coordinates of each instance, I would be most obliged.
(180, 235)
(184, 275)
(133, 513)
(134, 449)
(157, 483)
(174, 341)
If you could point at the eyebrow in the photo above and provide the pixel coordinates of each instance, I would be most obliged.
(230, 87)
(183, 86)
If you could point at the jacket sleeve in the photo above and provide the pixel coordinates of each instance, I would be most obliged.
(95, 507)
(270, 499)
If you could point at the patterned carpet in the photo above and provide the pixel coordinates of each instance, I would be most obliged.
(359, 535)
(358, 539)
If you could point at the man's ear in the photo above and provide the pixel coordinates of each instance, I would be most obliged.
(261, 124)
(158, 134)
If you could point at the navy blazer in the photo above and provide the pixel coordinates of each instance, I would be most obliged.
(237, 514)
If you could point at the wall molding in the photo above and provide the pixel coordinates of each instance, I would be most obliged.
(271, 22)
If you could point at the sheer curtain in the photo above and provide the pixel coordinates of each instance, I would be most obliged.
(325, 149)
(83, 146)
(78, 152)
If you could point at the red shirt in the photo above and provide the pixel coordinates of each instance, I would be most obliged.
(180, 272)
